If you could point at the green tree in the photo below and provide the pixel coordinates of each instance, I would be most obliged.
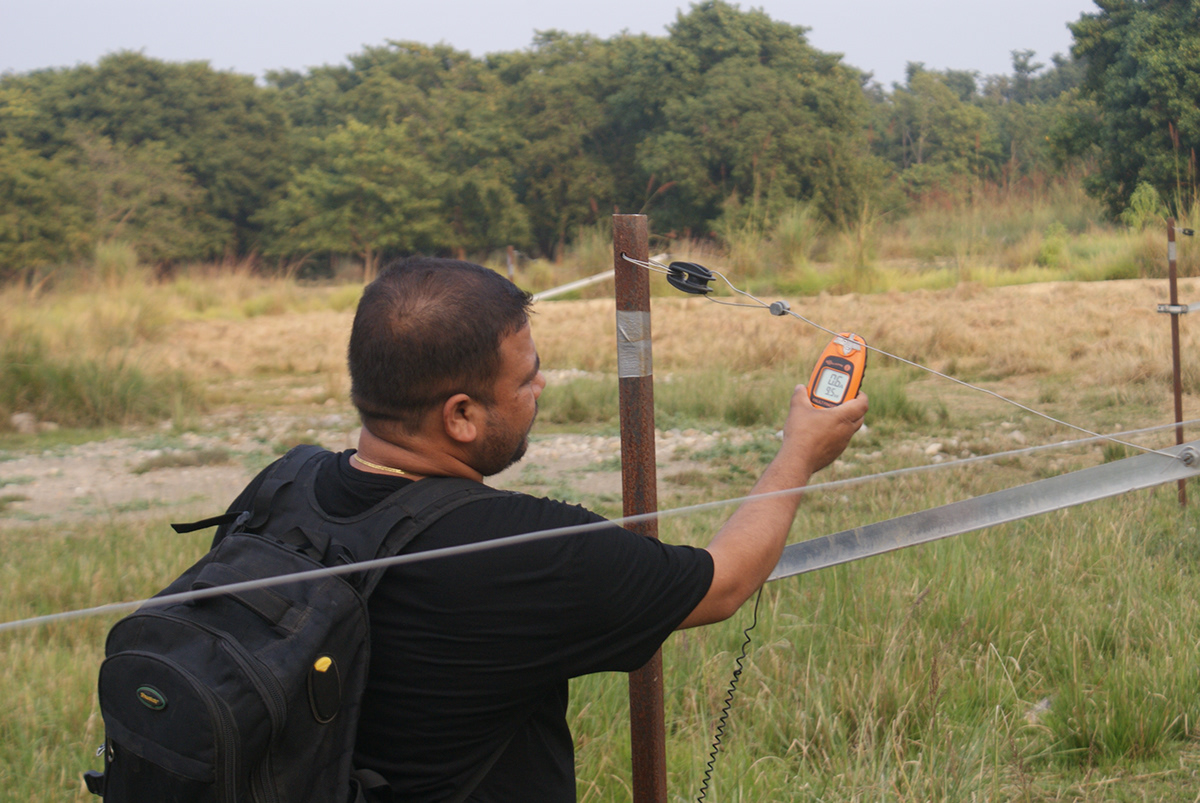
(227, 134)
(1143, 72)
(556, 96)
(56, 209)
(452, 109)
(757, 116)
(945, 130)
(1024, 69)
(140, 195)
(1032, 114)
(367, 192)
(42, 219)
(936, 134)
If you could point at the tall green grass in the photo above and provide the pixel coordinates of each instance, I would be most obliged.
(87, 392)
(51, 725)
(886, 389)
(1052, 659)
(700, 398)
(680, 400)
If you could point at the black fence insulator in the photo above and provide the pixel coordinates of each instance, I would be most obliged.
(690, 277)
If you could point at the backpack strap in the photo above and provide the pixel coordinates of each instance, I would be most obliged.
(281, 474)
(381, 532)
(409, 511)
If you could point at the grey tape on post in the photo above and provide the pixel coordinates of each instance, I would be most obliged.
(1171, 250)
(633, 344)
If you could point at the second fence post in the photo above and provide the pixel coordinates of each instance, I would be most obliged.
(1178, 384)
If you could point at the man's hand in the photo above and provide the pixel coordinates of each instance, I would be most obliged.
(815, 436)
(747, 548)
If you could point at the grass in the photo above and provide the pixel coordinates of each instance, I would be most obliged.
(49, 734)
(1051, 659)
(83, 392)
(951, 671)
(889, 398)
(919, 675)
(121, 326)
(8, 499)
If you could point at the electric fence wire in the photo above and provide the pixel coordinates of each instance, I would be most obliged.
(514, 540)
(658, 267)
(719, 735)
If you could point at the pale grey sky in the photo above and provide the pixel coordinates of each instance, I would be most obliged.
(252, 36)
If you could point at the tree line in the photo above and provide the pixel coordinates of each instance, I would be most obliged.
(731, 119)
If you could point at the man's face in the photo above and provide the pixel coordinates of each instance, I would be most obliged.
(514, 406)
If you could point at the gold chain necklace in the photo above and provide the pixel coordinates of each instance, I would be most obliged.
(398, 471)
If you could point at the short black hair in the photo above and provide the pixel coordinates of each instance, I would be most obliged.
(426, 329)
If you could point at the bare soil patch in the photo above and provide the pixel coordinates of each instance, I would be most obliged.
(120, 477)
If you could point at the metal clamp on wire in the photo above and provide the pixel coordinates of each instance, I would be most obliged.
(1178, 309)
(690, 278)
(849, 345)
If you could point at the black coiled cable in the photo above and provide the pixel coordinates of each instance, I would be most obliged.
(737, 673)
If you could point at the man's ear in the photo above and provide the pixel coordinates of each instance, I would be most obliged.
(462, 418)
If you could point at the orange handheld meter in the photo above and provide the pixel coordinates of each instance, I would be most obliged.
(839, 371)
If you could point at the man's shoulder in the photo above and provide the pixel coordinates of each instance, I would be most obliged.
(518, 507)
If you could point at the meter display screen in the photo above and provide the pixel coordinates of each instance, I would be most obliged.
(831, 385)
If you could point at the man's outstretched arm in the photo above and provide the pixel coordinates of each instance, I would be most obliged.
(746, 549)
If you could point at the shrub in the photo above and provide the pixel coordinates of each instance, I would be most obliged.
(1145, 207)
(86, 392)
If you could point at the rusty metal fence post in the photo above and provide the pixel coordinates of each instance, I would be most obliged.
(1172, 275)
(639, 486)
(1175, 309)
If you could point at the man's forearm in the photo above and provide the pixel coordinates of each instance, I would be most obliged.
(748, 546)
(746, 549)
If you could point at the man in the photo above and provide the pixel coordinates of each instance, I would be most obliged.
(470, 655)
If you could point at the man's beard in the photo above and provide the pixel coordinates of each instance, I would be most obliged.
(504, 447)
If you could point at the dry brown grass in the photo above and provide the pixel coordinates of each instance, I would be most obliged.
(1095, 333)
(1088, 334)
(296, 343)
(1083, 335)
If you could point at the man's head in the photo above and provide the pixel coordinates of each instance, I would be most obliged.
(425, 330)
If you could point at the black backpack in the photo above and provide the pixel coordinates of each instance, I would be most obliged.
(255, 695)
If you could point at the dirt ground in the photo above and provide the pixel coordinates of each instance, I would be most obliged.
(144, 473)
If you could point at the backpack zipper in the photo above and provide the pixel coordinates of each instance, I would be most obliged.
(227, 738)
(261, 789)
(264, 682)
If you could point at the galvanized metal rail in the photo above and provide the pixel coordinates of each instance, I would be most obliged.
(1043, 496)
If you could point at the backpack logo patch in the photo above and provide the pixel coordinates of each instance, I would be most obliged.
(152, 698)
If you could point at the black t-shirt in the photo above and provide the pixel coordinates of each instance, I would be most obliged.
(471, 650)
